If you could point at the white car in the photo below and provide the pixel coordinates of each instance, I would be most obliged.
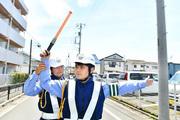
(174, 90)
(136, 76)
(111, 77)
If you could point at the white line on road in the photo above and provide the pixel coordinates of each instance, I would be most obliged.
(150, 105)
(113, 115)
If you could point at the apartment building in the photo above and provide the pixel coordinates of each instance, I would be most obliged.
(12, 27)
(141, 65)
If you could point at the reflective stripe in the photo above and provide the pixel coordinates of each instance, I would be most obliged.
(54, 104)
(49, 115)
(93, 102)
(55, 108)
(71, 99)
(113, 89)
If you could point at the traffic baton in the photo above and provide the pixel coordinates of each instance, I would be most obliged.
(58, 32)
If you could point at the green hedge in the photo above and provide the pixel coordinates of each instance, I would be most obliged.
(18, 77)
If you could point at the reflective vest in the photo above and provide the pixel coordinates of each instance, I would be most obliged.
(83, 100)
(49, 104)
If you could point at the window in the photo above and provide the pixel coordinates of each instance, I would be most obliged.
(2, 68)
(135, 66)
(119, 64)
(113, 76)
(126, 66)
(142, 66)
(142, 76)
(154, 67)
(112, 64)
(3, 43)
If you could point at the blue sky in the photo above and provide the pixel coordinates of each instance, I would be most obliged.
(126, 27)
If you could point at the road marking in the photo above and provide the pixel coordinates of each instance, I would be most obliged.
(150, 105)
(112, 114)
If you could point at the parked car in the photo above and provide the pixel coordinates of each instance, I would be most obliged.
(174, 82)
(97, 77)
(135, 76)
(111, 77)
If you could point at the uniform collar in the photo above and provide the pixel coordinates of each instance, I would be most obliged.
(89, 79)
(54, 77)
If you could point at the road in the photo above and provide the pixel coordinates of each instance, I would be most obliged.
(116, 111)
(25, 108)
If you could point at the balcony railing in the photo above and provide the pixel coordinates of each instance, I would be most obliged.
(11, 33)
(10, 56)
(8, 5)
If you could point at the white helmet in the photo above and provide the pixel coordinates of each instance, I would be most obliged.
(85, 59)
(55, 63)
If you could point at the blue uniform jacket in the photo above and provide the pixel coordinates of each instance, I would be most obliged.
(32, 87)
(83, 92)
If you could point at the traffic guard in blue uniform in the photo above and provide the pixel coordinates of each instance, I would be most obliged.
(48, 103)
(83, 97)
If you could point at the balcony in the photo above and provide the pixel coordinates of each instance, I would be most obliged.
(10, 56)
(13, 35)
(7, 7)
(20, 5)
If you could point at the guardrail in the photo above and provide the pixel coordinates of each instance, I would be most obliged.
(9, 91)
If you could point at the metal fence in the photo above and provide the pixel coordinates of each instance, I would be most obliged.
(9, 91)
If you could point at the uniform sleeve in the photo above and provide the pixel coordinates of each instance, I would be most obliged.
(122, 88)
(52, 86)
(32, 86)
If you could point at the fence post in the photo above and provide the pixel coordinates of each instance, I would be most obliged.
(23, 88)
(8, 92)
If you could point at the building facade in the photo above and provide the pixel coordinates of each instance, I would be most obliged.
(25, 66)
(12, 27)
(141, 65)
(112, 63)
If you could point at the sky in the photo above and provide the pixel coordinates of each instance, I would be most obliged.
(126, 27)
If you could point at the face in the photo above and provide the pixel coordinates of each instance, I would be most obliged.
(81, 71)
(58, 71)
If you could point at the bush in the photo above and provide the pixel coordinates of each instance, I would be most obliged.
(18, 77)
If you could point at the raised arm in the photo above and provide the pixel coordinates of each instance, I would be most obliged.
(52, 86)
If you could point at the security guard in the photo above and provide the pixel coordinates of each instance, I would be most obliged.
(83, 97)
(48, 103)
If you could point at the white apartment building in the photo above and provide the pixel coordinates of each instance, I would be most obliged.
(12, 27)
(141, 65)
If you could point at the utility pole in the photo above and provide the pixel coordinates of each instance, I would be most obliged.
(30, 53)
(162, 62)
(79, 26)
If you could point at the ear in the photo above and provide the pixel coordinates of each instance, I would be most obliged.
(92, 69)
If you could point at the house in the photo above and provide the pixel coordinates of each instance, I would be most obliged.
(112, 63)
